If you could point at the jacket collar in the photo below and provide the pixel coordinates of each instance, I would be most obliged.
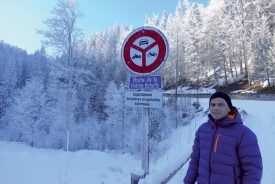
(233, 117)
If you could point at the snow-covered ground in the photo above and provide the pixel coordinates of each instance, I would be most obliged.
(20, 164)
(47, 166)
(188, 90)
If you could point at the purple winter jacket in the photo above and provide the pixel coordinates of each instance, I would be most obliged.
(225, 152)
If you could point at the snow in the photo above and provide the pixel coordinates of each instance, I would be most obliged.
(265, 83)
(21, 164)
(188, 90)
(180, 148)
(245, 91)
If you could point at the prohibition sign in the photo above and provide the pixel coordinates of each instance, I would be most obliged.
(145, 50)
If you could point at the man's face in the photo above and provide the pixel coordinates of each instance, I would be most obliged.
(219, 108)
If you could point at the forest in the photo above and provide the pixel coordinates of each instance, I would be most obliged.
(74, 98)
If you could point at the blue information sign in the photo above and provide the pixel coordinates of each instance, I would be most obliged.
(145, 82)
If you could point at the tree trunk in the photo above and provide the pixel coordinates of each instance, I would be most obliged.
(241, 62)
(225, 72)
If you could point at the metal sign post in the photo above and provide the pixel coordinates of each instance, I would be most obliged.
(144, 51)
(145, 137)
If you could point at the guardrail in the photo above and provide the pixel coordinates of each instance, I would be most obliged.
(171, 175)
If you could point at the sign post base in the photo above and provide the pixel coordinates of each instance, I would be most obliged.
(135, 178)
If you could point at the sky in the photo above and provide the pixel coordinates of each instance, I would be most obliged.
(20, 19)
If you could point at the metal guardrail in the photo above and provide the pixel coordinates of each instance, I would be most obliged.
(166, 180)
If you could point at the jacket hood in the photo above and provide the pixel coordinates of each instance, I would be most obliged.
(233, 117)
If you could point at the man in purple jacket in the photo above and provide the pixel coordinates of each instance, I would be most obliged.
(224, 151)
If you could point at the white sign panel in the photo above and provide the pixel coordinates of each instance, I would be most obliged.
(149, 99)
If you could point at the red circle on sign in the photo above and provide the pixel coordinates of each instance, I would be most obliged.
(146, 43)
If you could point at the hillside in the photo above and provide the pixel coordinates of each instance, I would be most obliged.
(256, 87)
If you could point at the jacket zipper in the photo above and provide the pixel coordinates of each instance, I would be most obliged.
(210, 155)
(216, 143)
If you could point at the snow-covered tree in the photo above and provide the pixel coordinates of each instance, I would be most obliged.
(29, 117)
(262, 65)
(193, 42)
(63, 34)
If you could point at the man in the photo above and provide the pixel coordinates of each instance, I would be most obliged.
(224, 151)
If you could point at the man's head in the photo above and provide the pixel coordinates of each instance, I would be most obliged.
(220, 105)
